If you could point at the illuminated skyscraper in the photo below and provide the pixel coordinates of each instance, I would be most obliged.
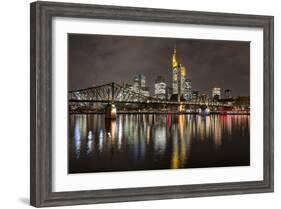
(145, 91)
(139, 85)
(139, 82)
(182, 79)
(179, 78)
(216, 93)
(175, 68)
(160, 88)
(187, 90)
(169, 92)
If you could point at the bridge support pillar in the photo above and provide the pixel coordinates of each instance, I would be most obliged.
(110, 112)
(181, 108)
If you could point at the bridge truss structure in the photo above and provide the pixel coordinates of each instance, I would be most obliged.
(113, 93)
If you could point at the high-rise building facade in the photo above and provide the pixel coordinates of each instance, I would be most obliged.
(187, 90)
(160, 88)
(175, 69)
(139, 85)
(182, 80)
(169, 92)
(145, 91)
(181, 88)
(216, 93)
(139, 82)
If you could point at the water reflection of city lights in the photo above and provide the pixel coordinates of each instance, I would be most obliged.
(100, 140)
(120, 129)
(208, 126)
(90, 135)
(201, 128)
(175, 154)
(160, 140)
(113, 131)
(173, 138)
(77, 138)
(169, 121)
(148, 134)
(89, 146)
(181, 139)
(217, 132)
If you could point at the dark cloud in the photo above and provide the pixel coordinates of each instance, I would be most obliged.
(98, 59)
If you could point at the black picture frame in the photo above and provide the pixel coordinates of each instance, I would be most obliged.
(41, 15)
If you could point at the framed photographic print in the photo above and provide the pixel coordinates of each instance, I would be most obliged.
(131, 104)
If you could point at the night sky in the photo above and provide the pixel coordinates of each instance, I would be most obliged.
(99, 59)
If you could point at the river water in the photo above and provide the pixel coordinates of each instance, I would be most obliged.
(157, 141)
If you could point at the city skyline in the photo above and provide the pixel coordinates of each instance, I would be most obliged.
(141, 103)
(97, 59)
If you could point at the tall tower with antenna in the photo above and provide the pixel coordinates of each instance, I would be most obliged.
(178, 80)
(175, 67)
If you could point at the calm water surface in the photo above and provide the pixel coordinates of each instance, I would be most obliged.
(149, 142)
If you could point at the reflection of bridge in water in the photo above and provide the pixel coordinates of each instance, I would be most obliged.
(98, 98)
